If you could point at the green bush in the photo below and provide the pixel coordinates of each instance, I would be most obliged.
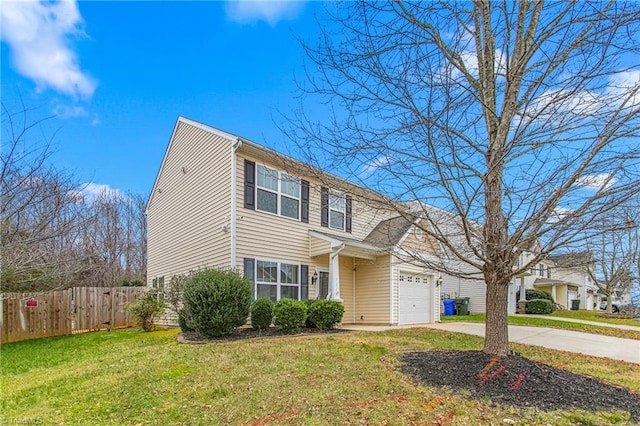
(217, 301)
(325, 314)
(309, 303)
(539, 306)
(183, 320)
(146, 309)
(535, 294)
(290, 315)
(261, 314)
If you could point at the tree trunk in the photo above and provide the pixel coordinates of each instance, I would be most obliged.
(497, 332)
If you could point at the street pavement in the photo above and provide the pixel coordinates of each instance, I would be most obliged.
(564, 340)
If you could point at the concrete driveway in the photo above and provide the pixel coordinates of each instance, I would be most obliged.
(563, 340)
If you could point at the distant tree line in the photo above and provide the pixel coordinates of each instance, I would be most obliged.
(54, 233)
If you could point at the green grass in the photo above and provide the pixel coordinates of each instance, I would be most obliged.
(565, 325)
(130, 377)
(597, 316)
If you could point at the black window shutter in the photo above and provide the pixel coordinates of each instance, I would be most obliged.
(304, 281)
(347, 220)
(249, 269)
(324, 203)
(249, 184)
(304, 215)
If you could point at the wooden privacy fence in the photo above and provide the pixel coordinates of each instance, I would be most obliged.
(56, 313)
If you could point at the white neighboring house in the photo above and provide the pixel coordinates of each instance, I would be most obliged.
(574, 268)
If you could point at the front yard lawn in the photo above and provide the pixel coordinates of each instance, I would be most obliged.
(130, 377)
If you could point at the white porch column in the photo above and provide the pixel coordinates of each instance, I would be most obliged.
(523, 291)
(334, 273)
(553, 293)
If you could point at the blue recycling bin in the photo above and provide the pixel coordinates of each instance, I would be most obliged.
(449, 307)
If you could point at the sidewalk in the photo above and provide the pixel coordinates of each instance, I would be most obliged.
(564, 340)
(600, 324)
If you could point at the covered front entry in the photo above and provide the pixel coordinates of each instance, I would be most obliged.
(414, 299)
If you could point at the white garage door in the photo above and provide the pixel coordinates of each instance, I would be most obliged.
(414, 294)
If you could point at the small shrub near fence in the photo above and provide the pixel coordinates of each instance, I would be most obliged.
(290, 315)
(216, 301)
(147, 309)
(539, 306)
(325, 314)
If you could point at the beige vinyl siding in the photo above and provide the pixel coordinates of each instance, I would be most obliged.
(191, 205)
(347, 288)
(266, 235)
(373, 290)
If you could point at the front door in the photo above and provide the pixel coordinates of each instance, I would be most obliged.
(323, 285)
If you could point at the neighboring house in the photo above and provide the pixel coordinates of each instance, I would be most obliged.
(574, 268)
(468, 281)
(220, 200)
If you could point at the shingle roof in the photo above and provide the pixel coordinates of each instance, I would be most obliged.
(389, 232)
(572, 260)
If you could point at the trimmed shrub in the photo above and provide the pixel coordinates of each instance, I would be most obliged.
(217, 301)
(309, 303)
(289, 315)
(147, 309)
(535, 294)
(325, 314)
(539, 306)
(261, 313)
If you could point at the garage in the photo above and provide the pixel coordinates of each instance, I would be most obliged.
(414, 299)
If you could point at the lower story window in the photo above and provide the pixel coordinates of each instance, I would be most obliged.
(276, 280)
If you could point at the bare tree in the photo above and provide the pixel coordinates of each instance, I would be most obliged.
(52, 234)
(39, 214)
(616, 252)
(516, 118)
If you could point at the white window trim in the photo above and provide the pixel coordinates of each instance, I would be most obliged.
(278, 283)
(279, 194)
(336, 193)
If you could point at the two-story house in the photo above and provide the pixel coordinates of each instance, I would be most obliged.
(574, 268)
(220, 200)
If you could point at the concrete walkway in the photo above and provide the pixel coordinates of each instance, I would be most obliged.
(564, 340)
(601, 324)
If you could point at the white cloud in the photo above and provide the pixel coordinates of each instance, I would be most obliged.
(65, 111)
(622, 90)
(596, 182)
(559, 213)
(38, 35)
(246, 11)
(89, 192)
(372, 166)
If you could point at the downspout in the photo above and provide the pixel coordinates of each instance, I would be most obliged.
(334, 272)
(234, 150)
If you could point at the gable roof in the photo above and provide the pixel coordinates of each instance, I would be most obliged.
(572, 260)
(389, 232)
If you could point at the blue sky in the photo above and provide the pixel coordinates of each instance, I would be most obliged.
(116, 75)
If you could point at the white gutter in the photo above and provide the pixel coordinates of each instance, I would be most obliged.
(234, 149)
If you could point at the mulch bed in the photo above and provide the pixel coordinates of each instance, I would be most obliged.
(517, 381)
(243, 333)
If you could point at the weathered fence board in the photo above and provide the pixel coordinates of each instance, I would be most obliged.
(76, 310)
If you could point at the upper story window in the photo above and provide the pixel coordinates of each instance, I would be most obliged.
(337, 209)
(277, 192)
(548, 272)
(541, 269)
